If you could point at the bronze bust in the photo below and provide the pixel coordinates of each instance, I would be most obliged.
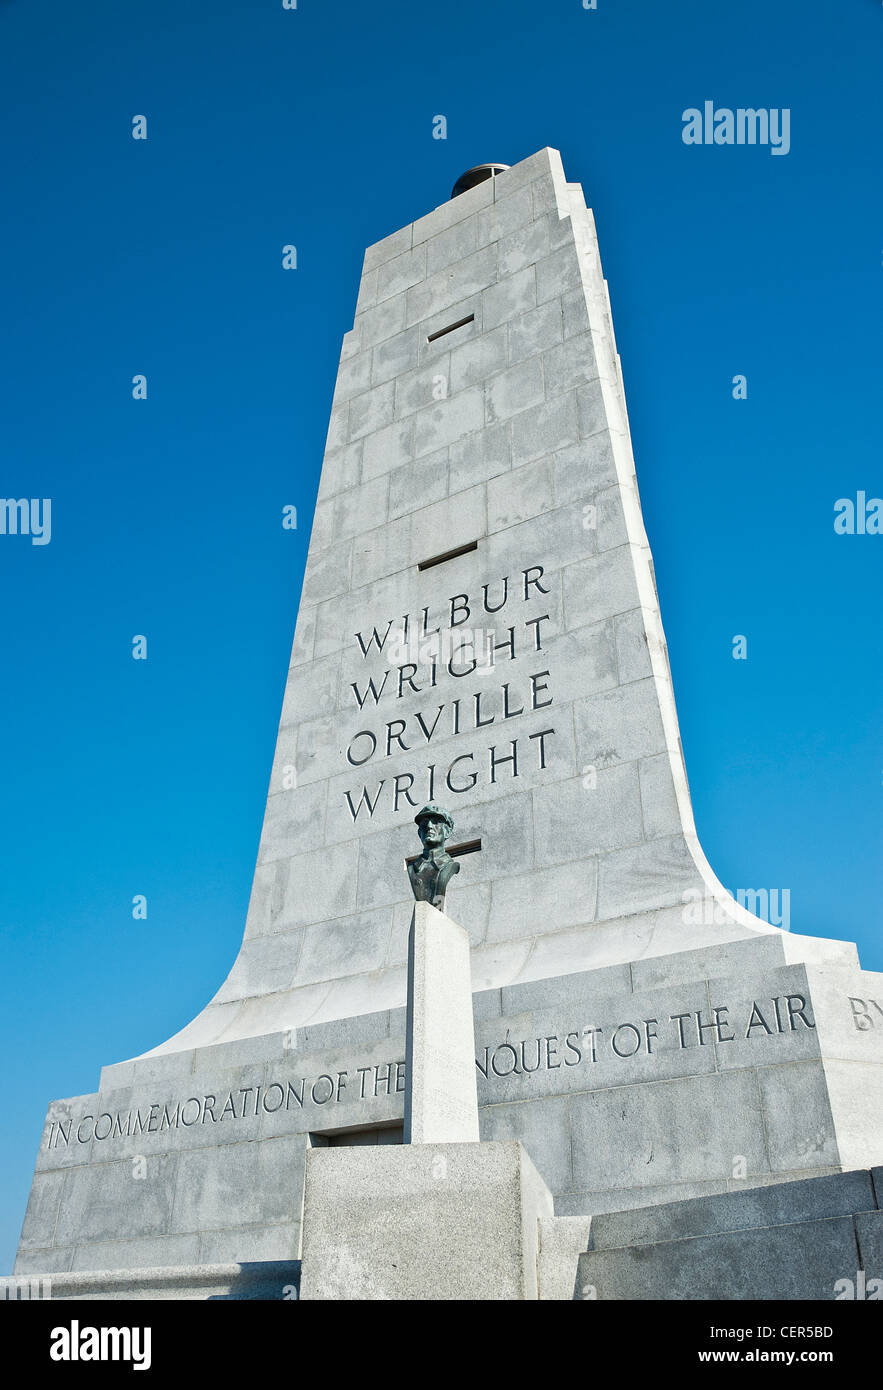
(431, 873)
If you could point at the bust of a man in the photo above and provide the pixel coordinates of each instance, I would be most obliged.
(433, 871)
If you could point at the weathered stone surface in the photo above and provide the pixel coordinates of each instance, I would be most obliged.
(423, 1221)
(562, 1240)
(869, 1239)
(787, 1203)
(798, 1240)
(780, 1262)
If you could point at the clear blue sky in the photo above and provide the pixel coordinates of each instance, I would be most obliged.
(314, 127)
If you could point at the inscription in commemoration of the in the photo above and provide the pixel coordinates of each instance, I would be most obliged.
(588, 1047)
(440, 654)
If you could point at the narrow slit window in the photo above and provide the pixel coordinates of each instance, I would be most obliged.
(461, 323)
(455, 851)
(448, 555)
(467, 847)
(350, 1138)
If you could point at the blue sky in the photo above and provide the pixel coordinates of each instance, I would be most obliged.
(314, 127)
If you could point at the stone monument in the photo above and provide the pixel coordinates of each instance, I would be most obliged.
(479, 622)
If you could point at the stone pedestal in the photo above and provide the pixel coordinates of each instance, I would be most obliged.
(422, 1221)
(441, 1100)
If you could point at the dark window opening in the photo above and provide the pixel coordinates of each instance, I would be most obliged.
(455, 851)
(349, 1138)
(448, 555)
(461, 323)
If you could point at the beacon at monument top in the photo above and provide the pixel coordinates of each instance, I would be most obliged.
(477, 174)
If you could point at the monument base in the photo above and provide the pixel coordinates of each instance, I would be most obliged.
(820, 1239)
(678, 1076)
(422, 1221)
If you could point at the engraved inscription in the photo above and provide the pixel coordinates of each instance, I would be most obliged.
(866, 1013)
(428, 660)
(585, 1046)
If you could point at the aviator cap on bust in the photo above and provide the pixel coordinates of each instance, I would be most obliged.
(430, 810)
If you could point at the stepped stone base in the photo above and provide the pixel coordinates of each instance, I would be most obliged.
(629, 1086)
(817, 1239)
(474, 1222)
